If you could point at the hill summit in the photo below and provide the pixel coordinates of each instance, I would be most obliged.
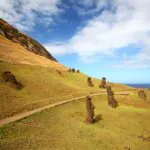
(28, 43)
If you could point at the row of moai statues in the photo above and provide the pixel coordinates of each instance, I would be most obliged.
(10, 78)
(90, 107)
(141, 93)
(103, 83)
(73, 70)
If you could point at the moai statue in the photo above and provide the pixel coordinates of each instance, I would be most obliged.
(73, 70)
(89, 82)
(9, 77)
(110, 96)
(142, 94)
(69, 70)
(90, 110)
(78, 71)
(109, 91)
(103, 83)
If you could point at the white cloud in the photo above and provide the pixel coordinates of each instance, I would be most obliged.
(127, 24)
(89, 7)
(24, 13)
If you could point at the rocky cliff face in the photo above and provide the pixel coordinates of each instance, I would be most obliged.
(30, 44)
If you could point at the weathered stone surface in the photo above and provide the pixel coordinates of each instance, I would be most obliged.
(78, 71)
(9, 77)
(90, 110)
(89, 82)
(109, 91)
(110, 97)
(103, 83)
(141, 94)
(73, 70)
(2, 32)
(31, 45)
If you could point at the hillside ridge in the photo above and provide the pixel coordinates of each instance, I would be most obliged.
(27, 42)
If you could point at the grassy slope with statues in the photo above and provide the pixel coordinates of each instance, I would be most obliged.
(63, 127)
(42, 86)
(45, 81)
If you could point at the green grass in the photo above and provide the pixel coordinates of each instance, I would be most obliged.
(42, 86)
(63, 128)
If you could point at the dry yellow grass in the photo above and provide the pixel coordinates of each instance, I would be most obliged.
(15, 53)
(43, 84)
(63, 128)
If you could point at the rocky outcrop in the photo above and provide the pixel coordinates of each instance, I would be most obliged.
(30, 44)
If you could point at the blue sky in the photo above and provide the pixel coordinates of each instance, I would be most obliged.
(108, 38)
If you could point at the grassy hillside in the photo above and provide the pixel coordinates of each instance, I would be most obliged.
(63, 127)
(15, 53)
(42, 85)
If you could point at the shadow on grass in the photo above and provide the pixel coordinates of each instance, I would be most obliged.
(97, 118)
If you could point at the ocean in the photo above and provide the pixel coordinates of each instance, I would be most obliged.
(140, 85)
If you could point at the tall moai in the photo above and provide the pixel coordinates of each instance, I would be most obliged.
(89, 82)
(141, 94)
(103, 83)
(73, 70)
(110, 97)
(90, 110)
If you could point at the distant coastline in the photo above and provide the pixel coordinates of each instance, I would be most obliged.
(139, 85)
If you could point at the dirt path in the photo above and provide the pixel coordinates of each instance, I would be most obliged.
(28, 113)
